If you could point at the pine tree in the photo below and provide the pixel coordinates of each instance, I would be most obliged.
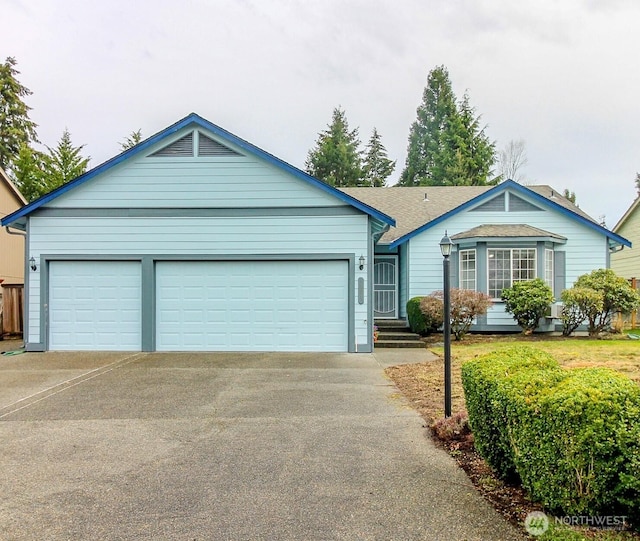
(16, 128)
(377, 165)
(28, 173)
(447, 145)
(478, 151)
(64, 162)
(335, 159)
(132, 140)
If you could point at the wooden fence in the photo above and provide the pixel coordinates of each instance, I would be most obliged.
(11, 322)
(628, 321)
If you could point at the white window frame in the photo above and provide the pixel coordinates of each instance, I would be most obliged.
(549, 267)
(512, 272)
(465, 281)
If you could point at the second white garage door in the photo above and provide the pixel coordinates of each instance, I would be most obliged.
(252, 306)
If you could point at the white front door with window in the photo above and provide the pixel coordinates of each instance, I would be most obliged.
(385, 287)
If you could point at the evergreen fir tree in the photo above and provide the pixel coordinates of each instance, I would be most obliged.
(16, 128)
(335, 159)
(377, 165)
(64, 162)
(132, 140)
(28, 172)
(447, 145)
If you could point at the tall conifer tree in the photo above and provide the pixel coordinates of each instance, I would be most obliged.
(447, 145)
(16, 128)
(336, 159)
(377, 165)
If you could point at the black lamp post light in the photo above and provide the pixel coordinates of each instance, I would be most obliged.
(445, 248)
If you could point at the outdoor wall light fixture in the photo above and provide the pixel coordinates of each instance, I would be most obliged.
(361, 261)
(32, 264)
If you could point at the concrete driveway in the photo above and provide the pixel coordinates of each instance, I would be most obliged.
(223, 447)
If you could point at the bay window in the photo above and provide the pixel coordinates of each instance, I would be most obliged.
(507, 266)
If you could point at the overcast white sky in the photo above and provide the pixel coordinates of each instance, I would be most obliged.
(562, 75)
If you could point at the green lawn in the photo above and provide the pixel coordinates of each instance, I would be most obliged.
(422, 384)
(425, 381)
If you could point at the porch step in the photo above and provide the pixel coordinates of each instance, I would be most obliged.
(391, 324)
(399, 344)
(395, 333)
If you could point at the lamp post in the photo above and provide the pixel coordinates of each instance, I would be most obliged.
(445, 248)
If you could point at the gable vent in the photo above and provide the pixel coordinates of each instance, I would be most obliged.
(516, 204)
(181, 148)
(209, 147)
(493, 205)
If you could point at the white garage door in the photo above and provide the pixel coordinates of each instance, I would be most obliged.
(94, 305)
(252, 306)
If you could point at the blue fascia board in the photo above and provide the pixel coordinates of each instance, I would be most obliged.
(193, 118)
(522, 190)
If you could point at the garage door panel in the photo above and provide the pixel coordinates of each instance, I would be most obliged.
(259, 306)
(95, 305)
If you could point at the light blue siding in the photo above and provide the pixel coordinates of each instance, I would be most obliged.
(585, 249)
(251, 236)
(194, 182)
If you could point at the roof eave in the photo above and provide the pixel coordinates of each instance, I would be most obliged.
(542, 238)
(510, 184)
(201, 122)
(626, 215)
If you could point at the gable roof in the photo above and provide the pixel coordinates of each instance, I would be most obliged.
(627, 214)
(197, 121)
(420, 208)
(6, 181)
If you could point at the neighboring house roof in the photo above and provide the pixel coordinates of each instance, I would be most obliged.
(626, 215)
(196, 120)
(498, 231)
(419, 208)
(4, 179)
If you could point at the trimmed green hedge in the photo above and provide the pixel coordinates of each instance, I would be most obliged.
(571, 436)
(483, 379)
(415, 317)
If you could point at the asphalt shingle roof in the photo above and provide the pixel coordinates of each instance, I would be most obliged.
(413, 207)
(505, 231)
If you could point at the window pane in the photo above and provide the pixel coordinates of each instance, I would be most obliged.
(499, 271)
(548, 268)
(468, 269)
(508, 266)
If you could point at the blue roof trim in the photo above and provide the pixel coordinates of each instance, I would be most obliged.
(515, 187)
(224, 134)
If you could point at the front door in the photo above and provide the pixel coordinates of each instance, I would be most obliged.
(385, 287)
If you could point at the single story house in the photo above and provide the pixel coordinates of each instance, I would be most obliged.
(195, 239)
(501, 234)
(626, 263)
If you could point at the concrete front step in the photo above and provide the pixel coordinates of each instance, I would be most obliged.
(395, 333)
(399, 344)
(392, 335)
(391, 324)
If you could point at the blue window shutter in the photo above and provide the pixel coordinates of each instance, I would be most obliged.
(454, 266)
(559, 274)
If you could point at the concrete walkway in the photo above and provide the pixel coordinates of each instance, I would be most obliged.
(223, 447)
